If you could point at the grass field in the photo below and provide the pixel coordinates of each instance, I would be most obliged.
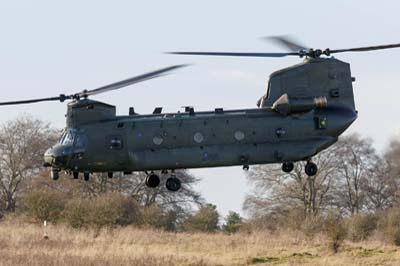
(23, 244)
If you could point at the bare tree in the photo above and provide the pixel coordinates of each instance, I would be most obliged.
(393, 157)
(22, 145)
(381, 187)
(357, 160)
(275, 192)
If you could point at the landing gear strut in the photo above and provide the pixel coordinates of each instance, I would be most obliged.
(75, 175)
(311, 168)
(86, 176)
(55, 174)
(287, 167)
(152, 180)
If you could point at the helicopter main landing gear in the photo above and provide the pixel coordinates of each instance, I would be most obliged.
(311, 168)
(86, 176)
(287, 167)
(55, 174)
(152, 180)
(172, 184)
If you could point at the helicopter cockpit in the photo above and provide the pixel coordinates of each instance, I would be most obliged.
(72, 144)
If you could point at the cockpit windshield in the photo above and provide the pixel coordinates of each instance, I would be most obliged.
(72, 137)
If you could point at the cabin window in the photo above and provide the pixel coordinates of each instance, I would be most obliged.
(120, 125)
(115, 143)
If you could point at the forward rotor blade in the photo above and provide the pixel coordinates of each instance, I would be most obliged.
(60, 98)
(286, 42)
(130, 81)
(236, 54)
(367, 48)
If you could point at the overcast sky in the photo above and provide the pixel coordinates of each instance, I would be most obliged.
(53, 47)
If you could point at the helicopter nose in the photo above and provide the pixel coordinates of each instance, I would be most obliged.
(56, 157)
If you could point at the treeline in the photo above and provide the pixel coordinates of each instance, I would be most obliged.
(354, 195)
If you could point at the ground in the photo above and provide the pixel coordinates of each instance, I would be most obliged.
(24, 244)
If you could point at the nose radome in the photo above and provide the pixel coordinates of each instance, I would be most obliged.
(56, 156)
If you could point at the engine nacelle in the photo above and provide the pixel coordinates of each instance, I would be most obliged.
(286, 105)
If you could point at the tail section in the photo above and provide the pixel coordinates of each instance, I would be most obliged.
(320, 77)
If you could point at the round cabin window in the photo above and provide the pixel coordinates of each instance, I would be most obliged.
(239, 135)
(157, 140)
(198, 137)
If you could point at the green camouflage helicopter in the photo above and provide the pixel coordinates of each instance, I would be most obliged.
(305, 109)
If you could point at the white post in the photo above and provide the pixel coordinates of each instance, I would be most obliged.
(45, 236)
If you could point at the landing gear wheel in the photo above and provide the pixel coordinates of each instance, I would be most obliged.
(287, 167)
(173, 184)
(55, 174)
(152, 180)
(86, 176)
(75, 175)
(110, 174)
(311, 169)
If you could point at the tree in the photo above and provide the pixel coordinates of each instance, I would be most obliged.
(392, 156)
(381, 187)
(276, 193)
(233, 222)
(22, 145)
(357, 160)
(204, 220)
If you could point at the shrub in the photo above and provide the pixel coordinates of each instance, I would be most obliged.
(204, 220)
(44, 205)
(153, 216)
(233, 222)
(106, 210)
(361, 226)
(389, 225)
(312, 225)
(76, 212)
(336, 232)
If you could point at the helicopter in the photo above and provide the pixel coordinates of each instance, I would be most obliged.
(306, 108)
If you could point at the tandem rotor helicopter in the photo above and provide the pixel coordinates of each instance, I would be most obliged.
(305, 109)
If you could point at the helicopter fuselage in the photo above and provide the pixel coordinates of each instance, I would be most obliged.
(198, 139)
(306, 108)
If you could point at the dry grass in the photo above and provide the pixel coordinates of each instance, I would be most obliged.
(23, 244)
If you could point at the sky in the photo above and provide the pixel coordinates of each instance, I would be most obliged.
(52, 47)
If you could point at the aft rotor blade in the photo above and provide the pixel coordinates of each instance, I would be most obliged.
(287, 42)
(236, 54)
(367, 48)
(60, 98)
(130, 81)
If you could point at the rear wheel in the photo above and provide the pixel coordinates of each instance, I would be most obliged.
(311, 169)
(173, 184)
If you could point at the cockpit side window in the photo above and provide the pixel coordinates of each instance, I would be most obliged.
(268, 89)
(68, 138)
(72, 137)
(81, 141)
